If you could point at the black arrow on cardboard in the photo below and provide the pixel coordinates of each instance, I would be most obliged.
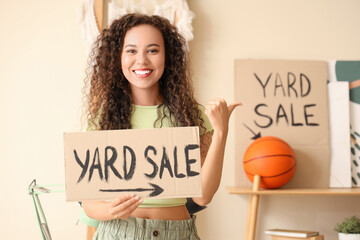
(256, 136)
(156, 190)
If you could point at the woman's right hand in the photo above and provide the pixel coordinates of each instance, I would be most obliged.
(122, 207)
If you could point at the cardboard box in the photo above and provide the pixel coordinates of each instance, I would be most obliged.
(160, 163)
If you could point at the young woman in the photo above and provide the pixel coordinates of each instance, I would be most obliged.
(139, 79)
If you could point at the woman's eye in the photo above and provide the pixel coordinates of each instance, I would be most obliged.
(130, 51)
(153, 51)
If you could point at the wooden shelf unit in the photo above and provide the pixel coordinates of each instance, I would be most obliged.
(256, 192)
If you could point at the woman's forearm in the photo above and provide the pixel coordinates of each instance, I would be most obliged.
(97, 210)
(211, 170)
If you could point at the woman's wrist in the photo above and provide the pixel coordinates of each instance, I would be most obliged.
(220, 134)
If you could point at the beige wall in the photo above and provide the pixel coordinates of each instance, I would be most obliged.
(42, 65)
(278, 29)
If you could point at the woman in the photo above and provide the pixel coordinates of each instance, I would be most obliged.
(139, 79)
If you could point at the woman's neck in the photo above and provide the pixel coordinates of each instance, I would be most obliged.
(146, 98)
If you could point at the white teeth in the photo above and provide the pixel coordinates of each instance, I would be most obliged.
(142, 72)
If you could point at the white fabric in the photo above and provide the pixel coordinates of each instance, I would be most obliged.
(170, 9)
(88, 25)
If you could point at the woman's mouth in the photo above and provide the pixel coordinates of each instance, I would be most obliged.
(142, 73)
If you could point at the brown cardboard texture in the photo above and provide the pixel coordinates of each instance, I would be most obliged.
(286, 99)
(159, 163)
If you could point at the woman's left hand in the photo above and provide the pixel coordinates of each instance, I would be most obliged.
(219, 114)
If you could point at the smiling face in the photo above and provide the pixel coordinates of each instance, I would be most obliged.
(143, 59)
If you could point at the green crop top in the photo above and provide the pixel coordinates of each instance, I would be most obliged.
(145, 117)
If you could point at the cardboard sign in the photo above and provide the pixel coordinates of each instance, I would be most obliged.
(161, 163)
(286, 99)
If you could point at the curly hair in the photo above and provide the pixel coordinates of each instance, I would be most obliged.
(109, 97)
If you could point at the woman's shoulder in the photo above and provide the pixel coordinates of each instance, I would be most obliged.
(201, 107)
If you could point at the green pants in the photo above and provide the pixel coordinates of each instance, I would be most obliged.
(147, 229)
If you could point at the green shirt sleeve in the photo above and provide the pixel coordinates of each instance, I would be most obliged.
(87, 220)
(207, 124)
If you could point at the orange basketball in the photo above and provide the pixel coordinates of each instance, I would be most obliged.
(272, 159)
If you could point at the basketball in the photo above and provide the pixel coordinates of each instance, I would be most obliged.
(272, 159)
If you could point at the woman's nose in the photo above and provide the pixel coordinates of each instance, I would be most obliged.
(142, 58)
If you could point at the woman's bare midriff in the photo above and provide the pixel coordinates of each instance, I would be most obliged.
(165, 213)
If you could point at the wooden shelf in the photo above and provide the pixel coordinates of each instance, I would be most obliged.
(297, 191)
(255, 192)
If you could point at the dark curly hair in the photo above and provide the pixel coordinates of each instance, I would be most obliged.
(109, 97)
